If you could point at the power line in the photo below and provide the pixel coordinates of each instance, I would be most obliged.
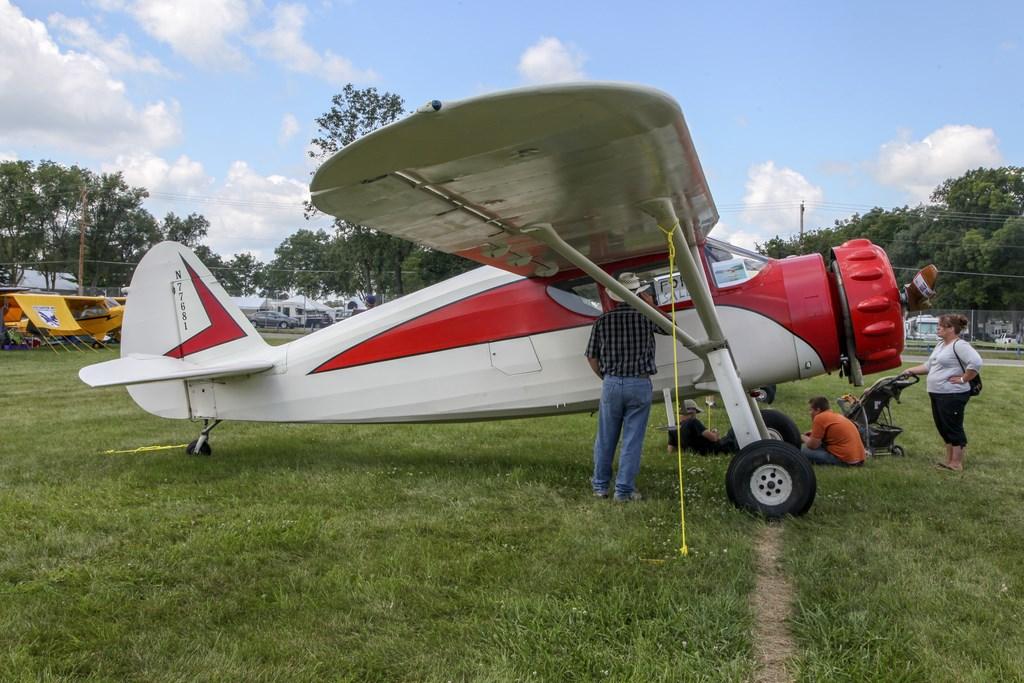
(964, 272)
(267, 269)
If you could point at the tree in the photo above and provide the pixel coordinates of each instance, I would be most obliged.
(973, 232)
(242, 275)
(21, 234)
(984, 192)
(300, 264)
(435, 266)
(353, 114)
(376, 258)
(120, 230)
(58, 209)
(189, 231)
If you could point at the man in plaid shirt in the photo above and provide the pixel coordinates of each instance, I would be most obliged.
(621, 353)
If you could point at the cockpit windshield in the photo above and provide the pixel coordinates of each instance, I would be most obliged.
(728, 264)
(731, 265)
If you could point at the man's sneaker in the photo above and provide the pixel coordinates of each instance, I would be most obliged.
(600, 494)
(631, 498)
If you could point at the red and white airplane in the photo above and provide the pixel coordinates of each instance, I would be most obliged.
(556, 190)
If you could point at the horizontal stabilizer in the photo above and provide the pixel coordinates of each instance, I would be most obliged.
(142, 369)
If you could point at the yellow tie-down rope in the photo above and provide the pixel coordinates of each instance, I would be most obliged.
(144, 449)
(683, 550)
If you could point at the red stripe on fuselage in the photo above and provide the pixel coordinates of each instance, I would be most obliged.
(514, 310)
(222, 328)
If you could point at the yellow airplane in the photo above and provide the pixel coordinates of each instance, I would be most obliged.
(56, 315)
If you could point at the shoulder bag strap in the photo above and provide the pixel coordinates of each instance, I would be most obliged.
(962, 368)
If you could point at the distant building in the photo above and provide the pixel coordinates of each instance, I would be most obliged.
(33, 279)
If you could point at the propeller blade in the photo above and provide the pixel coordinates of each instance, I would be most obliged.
(921, 290)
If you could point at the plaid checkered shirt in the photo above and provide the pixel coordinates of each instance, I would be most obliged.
(622, 341)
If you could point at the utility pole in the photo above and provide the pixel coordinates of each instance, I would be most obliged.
(81, 241)
(801, 221)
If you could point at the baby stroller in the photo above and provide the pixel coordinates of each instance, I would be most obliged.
(873, 417)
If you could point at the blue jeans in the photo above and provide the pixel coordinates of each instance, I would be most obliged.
(819, 456)
(625, 407)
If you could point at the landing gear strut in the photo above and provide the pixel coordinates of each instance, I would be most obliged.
(201, 446)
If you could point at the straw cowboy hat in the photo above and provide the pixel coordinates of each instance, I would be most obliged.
(631, 282)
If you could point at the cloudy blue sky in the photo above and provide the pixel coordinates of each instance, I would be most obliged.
(210, 103)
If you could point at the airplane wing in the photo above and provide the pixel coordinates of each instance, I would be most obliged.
(50, 313)
(466, 177)
(11, 309)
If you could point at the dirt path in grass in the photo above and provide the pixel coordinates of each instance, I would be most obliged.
(771, 603)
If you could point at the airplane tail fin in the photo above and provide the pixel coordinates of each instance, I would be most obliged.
(176, 308)
(179, 325)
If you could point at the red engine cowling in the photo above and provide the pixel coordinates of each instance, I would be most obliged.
(866, 295)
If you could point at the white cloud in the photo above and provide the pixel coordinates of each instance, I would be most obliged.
(69, 100)
(918, 168)
(183, 177)
(285, 44)
(738, 236)
(116, 53)
(772, 200)
(550, 61)
(289, 127)
(199, 30)
(8, 156)
(255, 213)
(247, 211)
(109, 5)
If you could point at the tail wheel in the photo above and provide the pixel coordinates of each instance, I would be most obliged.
(205, 449)
(771, 478)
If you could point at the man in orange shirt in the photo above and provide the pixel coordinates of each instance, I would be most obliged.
(833, 439)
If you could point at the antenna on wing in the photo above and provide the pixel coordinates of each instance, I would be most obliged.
(919, 292)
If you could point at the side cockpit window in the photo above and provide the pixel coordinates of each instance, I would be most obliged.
(579, 296)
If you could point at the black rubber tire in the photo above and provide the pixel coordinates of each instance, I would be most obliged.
(898, 451)
(205, 450)
(782, 425)
(771, 478)
(283, 325)
(769, 393)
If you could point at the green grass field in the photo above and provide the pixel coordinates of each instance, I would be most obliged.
(476, 552)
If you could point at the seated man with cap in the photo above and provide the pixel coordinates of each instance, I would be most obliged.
(698, 438)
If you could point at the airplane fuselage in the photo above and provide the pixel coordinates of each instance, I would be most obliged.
(492, 344)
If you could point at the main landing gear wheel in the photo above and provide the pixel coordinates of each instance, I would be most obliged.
(781, 427)
(898, 451)
(771, 478)
(205, 449)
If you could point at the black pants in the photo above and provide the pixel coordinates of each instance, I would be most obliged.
(948, 413)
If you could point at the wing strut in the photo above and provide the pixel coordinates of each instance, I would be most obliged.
(714, 349)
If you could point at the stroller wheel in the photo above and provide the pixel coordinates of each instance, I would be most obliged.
(898, 451)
